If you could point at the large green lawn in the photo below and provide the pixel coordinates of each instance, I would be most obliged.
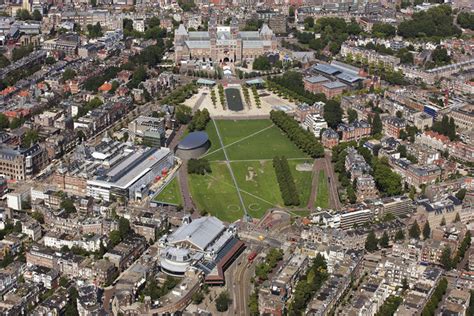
(266, 144)
(170, 194)
(215, 193)
(258, 185)
(250, 145)
(322, 196)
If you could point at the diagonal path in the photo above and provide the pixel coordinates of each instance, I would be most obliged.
(230, 169)
(237, 141)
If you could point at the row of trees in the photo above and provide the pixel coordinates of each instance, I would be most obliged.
(246, 94)
(213, 98)
(199, 166)
(449, 262)
(437, 296)
(290, 85)
(220, 90)
(308, 285)
(305, 140)
(287, 185)
(271, 260)
(199, 120)
(256, 97)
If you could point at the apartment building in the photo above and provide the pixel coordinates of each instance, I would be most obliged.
(354, 131)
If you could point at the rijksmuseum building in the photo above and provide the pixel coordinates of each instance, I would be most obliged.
(223, 43)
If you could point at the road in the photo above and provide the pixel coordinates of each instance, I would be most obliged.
(334, 201)
(238, 279)
(230, 169)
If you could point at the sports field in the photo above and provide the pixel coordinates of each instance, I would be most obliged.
(170, 194)
(251, 146)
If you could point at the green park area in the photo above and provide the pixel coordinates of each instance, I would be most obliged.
(251, 146)
(170, 194)
(322, 195)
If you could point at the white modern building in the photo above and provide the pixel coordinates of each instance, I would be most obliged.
(315, 123)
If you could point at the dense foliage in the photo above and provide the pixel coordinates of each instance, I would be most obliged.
(388, 182)
(223, 301)
(414, 231)
(305, 140)
(261, 63)
(179, 95)
(291, 84)
(371, 242)
(446, 127)
(333, 31)
(466, 20)
(286, 182)
(438, 294)
(383, 30)
(199, 166)
(390, 306)
(308, 285)
(199, 120)
(435, 22)
(333, 113)
(93, 83)
(94, 31)
(271, 260)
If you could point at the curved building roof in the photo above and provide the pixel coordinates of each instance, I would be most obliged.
(193, 140)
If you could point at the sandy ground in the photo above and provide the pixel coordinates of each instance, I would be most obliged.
(267, 103)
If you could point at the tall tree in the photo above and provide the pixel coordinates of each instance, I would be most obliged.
(371, 242)
(445, 258)
(443, 222)
(400, 235)
(414, 231)
(426, 230)
(383, 242)
(377, 124)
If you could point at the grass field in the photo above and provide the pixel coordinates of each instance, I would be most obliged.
(303, 181)
(170, 194)
(250, 145)
(215, 193)
(322, 196)
(258, 184)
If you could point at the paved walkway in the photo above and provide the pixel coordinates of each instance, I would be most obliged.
(183, 173)
(199, 101)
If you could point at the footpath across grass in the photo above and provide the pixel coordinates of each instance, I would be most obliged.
(170, 194)
(322, 196)
(251, 146)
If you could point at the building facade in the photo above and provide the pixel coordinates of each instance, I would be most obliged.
(223, 43)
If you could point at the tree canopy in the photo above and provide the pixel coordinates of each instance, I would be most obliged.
(435, 22)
